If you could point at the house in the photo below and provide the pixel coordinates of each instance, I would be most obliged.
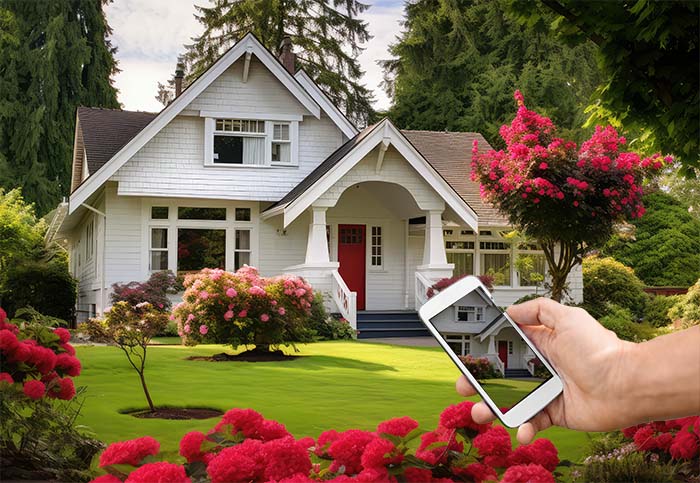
(475, 326)
(252, 164)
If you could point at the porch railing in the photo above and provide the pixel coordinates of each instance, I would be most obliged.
(499, 365)
(529, 359)
(344, 299)
(422, 286)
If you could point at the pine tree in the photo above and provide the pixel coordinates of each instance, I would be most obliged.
(54, 56)
(326, 37)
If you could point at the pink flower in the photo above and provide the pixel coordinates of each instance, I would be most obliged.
(191, 446)
(190, 318)
(130, 452)
(62, 334)
(203, 329)
(544, 165)
(187, 328)
(106, 479)
(6, 377)
(203, 295)
(157, 472)
(398, 426)
(264, 318)
(34, 389)
(228, 315)
(231, 292)
(243, 314)
(281, 311)
(527, 473)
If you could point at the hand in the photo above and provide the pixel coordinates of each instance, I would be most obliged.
(590, 362)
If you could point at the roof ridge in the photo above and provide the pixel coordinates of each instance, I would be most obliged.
(113, 109)
(440, 132)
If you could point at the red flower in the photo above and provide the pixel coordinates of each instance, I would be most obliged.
(44, 359)
(270, 429)
(8, 341)
(22, 353)
(68, 348)
(129, 452)
(477, 471)
(374, 475)
(347, 450)
(494, 442)
(324, 441)
(191, 446)
(237, 463)
(247, 421)
(380, 453)
(6, 377)
(527, 474)
(413, 474)
(542, 452)
(684, 446)
(629, 432)
(398, 426)
(69, 364)
(644, 438)
(663, 441)
(431, 451)
(62, 334)
(460, 416)
(298, 478)
(161, 472)
(34, 389)
(66, 389)
(106, 479)
(285, 458)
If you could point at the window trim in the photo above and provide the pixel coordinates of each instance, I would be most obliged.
(477, 312)
(465, 340)
(89, 240)
(370, 245)
(249, 250)
(151, 249)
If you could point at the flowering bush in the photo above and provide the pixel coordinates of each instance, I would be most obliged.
(154, 291)
(244, 446)
(443, 283)
(566, 198)
(479, 367)
(243, 308)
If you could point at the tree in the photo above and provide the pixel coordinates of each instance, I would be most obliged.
(648, 52)
(54, 56)
(457, 63)
(567, 199)
(683, 189)
(665, 248)
(327, 37)
(21, 233)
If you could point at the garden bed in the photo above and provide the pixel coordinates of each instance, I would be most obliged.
(176, 413)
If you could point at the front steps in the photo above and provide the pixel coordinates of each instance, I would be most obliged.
(517, 373)
(380, 324)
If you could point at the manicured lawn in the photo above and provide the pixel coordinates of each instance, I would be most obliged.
(337, 385)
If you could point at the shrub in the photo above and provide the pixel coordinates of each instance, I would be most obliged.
(244, 446)
(327, 327)
(479, 367)
(656, 311)
(243, 308)
(154, 291)
(621, 321)
(686, 312)
(443, 283)
(606, 280)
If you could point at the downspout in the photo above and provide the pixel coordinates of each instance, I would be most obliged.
(104, 254)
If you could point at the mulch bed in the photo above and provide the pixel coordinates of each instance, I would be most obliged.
(177, 413)
(247, 356)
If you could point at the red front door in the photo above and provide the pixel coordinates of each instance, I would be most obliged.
(351, 256)
(503, 352)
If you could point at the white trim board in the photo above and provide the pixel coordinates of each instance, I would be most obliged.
(249, 43)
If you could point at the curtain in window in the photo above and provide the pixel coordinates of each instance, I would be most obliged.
(254, 150)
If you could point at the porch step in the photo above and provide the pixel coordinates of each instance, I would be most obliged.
(519, 373)
(379, 324)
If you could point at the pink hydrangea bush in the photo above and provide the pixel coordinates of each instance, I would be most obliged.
(37, 360)
(244, 446)
(243, 308)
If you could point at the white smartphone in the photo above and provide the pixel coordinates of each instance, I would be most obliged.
(464, 317)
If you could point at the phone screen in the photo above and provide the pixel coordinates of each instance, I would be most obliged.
(474, 326)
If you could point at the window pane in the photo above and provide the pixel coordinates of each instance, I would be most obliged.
(281, 152)
(228, 149)
(159, 238)
(456, 347)
(464, 263)
(198, 249)
(159, 212)
(159, 260)
(242, 214)
(241, 258)
(496, 265)
(280, 132)
(192, 213)
(242, 239)
(531, 269)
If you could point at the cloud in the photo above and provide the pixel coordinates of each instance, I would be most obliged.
(150, 34)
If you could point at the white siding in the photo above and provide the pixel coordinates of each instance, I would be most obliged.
(124, 241)
(279, 248)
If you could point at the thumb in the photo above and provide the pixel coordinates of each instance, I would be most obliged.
(541, 311)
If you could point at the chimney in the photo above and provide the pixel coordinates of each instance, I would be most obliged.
(287, 57)
(179, 75)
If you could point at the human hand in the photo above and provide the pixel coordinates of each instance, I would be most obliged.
(589, 360)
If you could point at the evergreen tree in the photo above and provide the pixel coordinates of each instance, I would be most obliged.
(326, 37)
(54, 56)
(457, 63)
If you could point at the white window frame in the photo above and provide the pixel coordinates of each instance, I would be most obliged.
(477, 313)
(456, 236)
(249, 250)
(465, 340)
(151, 249)
(527, 252)
(497, 251)
(381, 246)
(89, 240)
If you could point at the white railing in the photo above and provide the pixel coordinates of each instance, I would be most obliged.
(499, 365)
(344, 299)
(422, 286)
(529, 364)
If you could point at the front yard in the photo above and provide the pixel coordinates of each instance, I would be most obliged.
(339, 385)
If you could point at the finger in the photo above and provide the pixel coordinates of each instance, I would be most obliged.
(537, 334)
(527, 431)
(481, 414)
(541, 311)
(464, 387)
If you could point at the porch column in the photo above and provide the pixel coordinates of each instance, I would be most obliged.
(435, 264)
(492, 345)
(317, 244)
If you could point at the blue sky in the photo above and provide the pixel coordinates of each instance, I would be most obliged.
(149, 35)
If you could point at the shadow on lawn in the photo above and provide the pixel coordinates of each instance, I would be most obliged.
(317, 362)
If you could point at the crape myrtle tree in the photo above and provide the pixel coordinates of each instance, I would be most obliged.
(567, 198)
(326, 37)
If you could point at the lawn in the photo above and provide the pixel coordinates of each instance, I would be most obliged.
(337, 385)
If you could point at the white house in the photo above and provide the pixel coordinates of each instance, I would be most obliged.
(252, 164)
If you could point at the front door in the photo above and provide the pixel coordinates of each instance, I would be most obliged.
(351, 256)
(503, 352)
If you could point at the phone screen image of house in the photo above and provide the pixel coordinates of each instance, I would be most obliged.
(488, 345)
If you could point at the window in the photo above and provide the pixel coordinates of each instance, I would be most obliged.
(93, 310)
(239, 141)
(242, 214)
(159, 212)
(468, 313)
(89, 240)
(159, 249)
(200, 248)
(241, 251)
(281, 144)
(531, 269)
(460, 344)
(461, 254)
(510, 347)
(377, 257)
(495, 261)
(185, 213)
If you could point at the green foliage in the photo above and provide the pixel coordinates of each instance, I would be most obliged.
(154, 291)
(606, 280)
(681, 188)
(55, 56)
(648, 52)
(480, 367)
(656, 311)
(325, 326)
(665, 250)
(456, 65)
(325, 37)
(21, 233)
(687, 310)
(631, 466)
(621, 321)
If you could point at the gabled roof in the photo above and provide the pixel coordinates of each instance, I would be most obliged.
(326, 104)
(249, 43)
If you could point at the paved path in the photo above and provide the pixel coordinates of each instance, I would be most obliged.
(407, 341)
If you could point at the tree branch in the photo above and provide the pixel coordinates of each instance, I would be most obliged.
(558, 8)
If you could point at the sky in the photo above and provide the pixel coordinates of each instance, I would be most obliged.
(150, 34)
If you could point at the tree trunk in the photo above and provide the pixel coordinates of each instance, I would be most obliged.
(560, 264)
(145, 391)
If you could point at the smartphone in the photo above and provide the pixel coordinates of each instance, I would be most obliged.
(465, 320)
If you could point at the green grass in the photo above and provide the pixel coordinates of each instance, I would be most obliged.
(339, 385)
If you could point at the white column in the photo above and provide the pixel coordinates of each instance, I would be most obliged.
(317, 244)
(492, 345)
(434, 248)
